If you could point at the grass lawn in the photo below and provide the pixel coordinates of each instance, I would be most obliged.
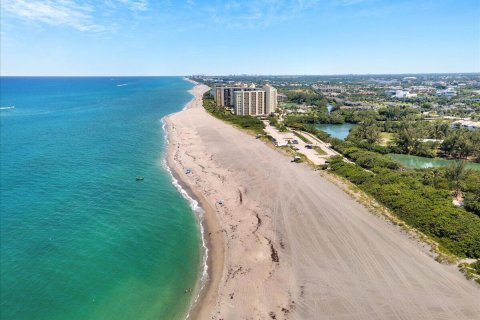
(288, 105)
(385, 138)
(319, 150)
(302, 137)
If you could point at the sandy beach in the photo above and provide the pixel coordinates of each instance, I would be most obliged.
(286, 243)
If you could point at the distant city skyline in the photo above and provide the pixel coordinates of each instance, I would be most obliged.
(255, 37)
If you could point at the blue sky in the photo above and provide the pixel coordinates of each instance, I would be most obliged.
(155, 37)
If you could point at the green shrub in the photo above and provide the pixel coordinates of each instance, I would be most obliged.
(476, 267)
(302, 137)
(245, 122)
(472, 203)
(422, 206)
(350, 171)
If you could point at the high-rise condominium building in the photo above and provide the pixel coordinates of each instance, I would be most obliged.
(249, 103)
(247, 99)
(270, 98)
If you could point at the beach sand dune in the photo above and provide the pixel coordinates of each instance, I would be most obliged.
(287, 243)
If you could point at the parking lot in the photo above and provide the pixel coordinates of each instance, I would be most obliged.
(289, 138)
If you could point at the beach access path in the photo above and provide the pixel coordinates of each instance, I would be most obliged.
(286, 243)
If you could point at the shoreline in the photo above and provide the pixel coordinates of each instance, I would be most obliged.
(198, 212)
(290, 250)
(211, 269)
(206, 288)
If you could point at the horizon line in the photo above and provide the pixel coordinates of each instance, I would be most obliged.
(251, 75)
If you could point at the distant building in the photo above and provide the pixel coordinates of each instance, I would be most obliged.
(247, 99)
(329, 89)
(449, 92)
(423, 89)
(400, 94)
(223, 94)
(468, 124)
(431, 140)
(281, 97)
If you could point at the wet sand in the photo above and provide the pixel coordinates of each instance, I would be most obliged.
(286, 243)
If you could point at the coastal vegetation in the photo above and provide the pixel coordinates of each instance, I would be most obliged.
(407, 132)
(250, 123)
(273, 120)
(471, 270)
(305, 95)
(442, 203)
(319, 150)
(422, 198)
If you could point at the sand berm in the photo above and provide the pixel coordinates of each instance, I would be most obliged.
(286, 243)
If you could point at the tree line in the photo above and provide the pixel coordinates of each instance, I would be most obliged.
(411, 134)
(422, 197)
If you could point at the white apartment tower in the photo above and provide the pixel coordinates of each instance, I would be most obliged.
(249, 103)
(247, 100)
(270, 99)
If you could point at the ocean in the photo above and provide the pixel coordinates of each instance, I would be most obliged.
(81, 238)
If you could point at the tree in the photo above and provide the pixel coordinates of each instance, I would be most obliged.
(426, 105)
(461, 143)
(438, 129)
(408, 138)
(456, 174)
(367, 130)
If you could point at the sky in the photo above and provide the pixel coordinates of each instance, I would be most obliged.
(184, 37)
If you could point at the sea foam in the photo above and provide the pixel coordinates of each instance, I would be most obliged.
(199, 215)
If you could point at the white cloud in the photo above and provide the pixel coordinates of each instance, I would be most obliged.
(76, 14)
(348, 2)
(252, 13)
(135, 5)
(57, 13)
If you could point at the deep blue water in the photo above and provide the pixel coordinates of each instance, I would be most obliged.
(80, 237)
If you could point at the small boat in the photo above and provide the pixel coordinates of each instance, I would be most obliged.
(139, 178)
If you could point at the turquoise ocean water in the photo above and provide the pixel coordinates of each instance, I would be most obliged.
(80, 237)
